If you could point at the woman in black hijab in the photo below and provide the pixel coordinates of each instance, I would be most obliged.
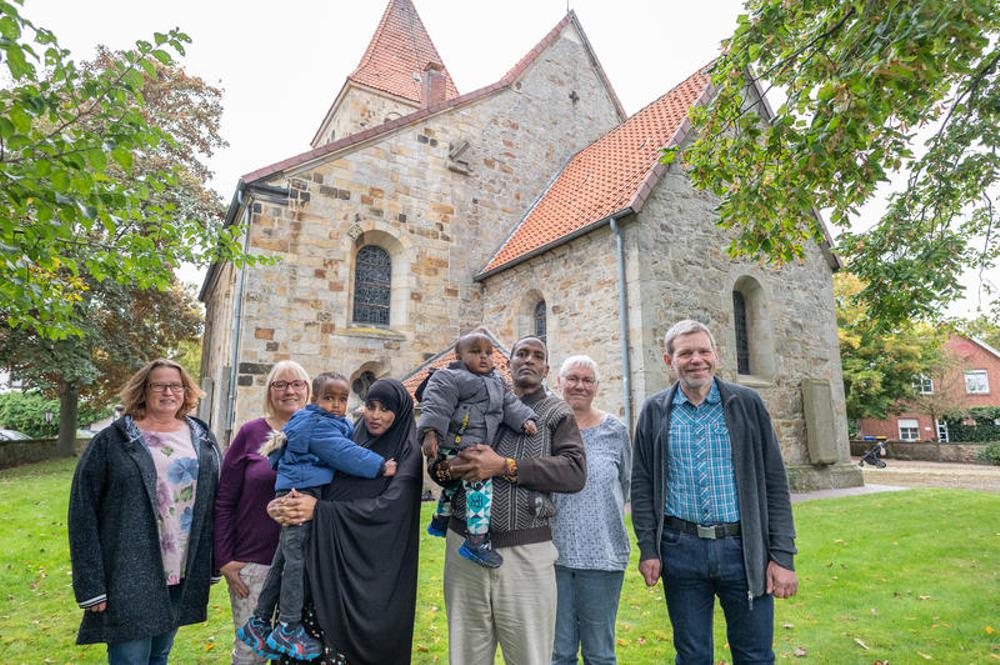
(362, 560)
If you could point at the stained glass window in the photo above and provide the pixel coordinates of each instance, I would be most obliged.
(742, 336)
(540, 321)
(372, 282)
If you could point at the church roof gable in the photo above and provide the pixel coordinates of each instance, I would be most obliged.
(399, 51)
(387, 128)
(613, 175)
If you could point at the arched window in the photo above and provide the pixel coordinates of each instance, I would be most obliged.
(539, 327)
(372, 285)
(361, 384)
(742, 334)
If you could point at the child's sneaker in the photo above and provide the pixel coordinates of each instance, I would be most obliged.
(293, 640)
(438, 526)
(254, 634)
(479, 550)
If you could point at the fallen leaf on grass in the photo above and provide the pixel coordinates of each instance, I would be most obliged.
(209, 646)
(924, 597)
(874, 612)
(789, 626)
(924, 656)
(989, 630)
(799, 652)
(861, 644)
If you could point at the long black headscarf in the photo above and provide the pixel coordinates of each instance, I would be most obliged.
(362, 558)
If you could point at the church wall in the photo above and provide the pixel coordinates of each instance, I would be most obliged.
(360, 110)
(688, 275)
(217, 345)
(579, 283)
(439, 220)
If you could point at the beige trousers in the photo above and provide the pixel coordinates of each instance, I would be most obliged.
(253, 575)
(513, 605)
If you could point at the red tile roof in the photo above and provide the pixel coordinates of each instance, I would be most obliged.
(398, 52)
(613, 174)
(500, 357)
(406, 120)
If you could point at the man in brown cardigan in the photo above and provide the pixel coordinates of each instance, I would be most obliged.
(515, 604)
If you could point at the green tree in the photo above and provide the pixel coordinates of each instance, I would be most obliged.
(862, 78)
(880, 367)
(122, 328)
(983, 327)
(35, 415)
(68, 220)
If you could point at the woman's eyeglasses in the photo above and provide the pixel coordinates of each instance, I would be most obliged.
(164, 387)
(278, 386)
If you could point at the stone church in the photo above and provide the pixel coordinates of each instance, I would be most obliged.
(533, 205)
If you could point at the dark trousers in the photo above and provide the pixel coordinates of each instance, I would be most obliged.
(695, 571)
(284, 585)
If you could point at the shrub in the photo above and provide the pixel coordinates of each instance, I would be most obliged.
(25, 412)
(991, 453)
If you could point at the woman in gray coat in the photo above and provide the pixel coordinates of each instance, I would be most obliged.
(140, 519)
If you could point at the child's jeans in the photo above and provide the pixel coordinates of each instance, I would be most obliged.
(285, 583)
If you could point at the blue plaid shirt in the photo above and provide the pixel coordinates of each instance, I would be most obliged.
(701, 485)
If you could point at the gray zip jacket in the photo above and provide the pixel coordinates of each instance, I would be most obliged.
(454, 393)
(761, 484)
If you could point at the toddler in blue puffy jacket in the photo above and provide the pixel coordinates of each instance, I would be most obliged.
(314, 444)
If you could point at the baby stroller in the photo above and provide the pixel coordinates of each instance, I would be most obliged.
(873, 456)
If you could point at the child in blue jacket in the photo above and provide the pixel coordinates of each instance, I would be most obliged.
(315, 443)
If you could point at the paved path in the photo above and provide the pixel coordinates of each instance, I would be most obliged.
(903, 474)
(936, 474)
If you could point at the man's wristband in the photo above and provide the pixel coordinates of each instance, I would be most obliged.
(510, 471)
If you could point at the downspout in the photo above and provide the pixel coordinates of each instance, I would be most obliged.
(623, 321)
(237, 319)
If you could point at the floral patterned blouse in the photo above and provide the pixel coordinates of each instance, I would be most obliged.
(176, 462)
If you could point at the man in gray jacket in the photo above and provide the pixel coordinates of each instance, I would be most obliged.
(710, 504)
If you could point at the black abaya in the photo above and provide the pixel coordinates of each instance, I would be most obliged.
(362, 559)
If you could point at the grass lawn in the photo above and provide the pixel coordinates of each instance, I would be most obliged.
(908, 577)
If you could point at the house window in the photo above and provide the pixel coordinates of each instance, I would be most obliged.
(540, 324)
(923, 385)
(977, 382)
(942, 431)
(372, 282)
(909, 429)
(742, 336)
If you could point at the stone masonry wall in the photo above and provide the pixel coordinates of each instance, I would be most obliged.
(580, 286)
(362, 109)
(685, 273)
(439, 221)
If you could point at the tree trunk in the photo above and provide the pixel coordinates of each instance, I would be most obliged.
(69, 396)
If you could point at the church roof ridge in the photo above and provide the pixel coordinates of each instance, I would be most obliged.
(397, 54)
(613, 175)
(372, 133)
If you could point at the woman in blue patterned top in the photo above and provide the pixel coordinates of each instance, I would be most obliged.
(589, 527)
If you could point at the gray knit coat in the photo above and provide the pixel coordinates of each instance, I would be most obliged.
(115, 544)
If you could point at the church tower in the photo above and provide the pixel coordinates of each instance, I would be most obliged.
(400, 72)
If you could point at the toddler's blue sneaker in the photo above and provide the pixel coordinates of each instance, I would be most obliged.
(438, 526)
(293, 640)
(254, 634)
(479, 550)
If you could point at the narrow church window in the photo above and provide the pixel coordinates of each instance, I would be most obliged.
(742, 337)
(540, 320)
(372, 282)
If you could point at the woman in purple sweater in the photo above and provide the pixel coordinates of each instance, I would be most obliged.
(245, 537)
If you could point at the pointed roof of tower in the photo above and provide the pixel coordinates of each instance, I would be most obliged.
(399, 51)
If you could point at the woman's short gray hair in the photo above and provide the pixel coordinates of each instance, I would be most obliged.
(685, 327)
(579, 361)
(279, 368)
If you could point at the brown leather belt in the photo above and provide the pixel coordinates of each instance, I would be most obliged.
(713, 532)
